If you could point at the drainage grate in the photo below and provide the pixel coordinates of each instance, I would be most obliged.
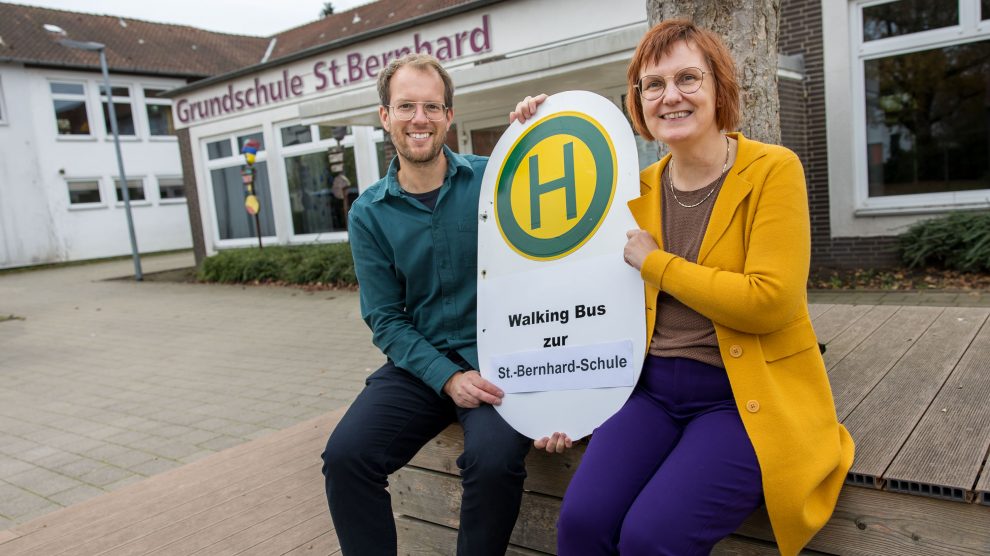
(859, 479)
(933, 491)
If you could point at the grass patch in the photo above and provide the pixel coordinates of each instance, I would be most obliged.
(328, 265)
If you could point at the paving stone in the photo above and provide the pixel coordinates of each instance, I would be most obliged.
(75, 495)
(80, 467)
(155, 466)
(16, 502)
(104, 475)
(10, 466)
(221, 442)
(42, 481)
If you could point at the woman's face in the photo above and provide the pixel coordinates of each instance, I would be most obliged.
(679, 118)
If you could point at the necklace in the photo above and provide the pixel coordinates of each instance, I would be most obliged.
(712, 190)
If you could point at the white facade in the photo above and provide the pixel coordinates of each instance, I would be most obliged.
(39, 222)
(496, 55)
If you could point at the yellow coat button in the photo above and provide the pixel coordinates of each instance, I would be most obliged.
(735, 350)
(752, 406)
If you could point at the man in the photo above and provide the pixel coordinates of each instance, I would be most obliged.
(413, 235)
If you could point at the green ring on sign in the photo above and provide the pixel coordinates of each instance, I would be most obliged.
(601, 149)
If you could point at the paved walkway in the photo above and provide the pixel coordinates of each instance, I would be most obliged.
(105, 382)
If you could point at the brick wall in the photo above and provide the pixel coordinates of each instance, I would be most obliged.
(801, 33)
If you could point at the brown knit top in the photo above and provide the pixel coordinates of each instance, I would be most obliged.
(681, 331)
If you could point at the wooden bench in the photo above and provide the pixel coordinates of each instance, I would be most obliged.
(911, 383)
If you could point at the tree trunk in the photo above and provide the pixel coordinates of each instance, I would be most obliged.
(749, 28)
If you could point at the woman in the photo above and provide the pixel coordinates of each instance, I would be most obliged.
(733, 407)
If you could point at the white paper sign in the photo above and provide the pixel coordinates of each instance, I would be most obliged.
(566, 368)
(551, 279)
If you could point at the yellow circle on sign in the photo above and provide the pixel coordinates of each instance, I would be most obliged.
(555, 219)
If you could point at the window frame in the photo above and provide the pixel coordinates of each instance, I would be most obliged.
(169, 200)
(116, 100)
(236, 159)
(53, 96)
(86, 206)
(316, 145)
(134, 202)
(968, 30)
(146, 102)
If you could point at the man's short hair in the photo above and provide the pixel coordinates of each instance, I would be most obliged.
(421, 62)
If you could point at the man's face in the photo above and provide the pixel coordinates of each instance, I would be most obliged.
(418, 141)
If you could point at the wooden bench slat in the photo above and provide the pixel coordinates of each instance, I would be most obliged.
(546, 473)
(422, 538)
(831, 323)
(885, 417)
(264, 530)
(852, 337)
(296, 538)
(152, 534)
(949, 443)
(816, 309)
(205, 534)
(856, 375)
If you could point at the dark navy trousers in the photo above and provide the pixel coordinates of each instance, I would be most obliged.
(391, 419)
(672, 473)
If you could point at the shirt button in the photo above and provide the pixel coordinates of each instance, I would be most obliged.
(752, 406)
(736, 350)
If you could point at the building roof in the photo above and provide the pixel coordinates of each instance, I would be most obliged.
(144, 47)
(132, 45)
(356, 21)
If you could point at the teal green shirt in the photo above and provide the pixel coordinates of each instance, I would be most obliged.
(417, 269)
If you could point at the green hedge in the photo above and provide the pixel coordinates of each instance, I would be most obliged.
(960, 241)
(329, 264)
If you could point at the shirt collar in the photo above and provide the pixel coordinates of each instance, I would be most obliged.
(455, 163)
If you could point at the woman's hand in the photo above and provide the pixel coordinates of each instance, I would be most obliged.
(526, 108)
(639, 244)
(555, 443)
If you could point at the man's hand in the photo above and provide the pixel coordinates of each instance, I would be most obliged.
(526, 108)
(556, 442)
(469, 389)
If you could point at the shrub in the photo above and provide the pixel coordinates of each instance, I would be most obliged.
(960, 241)
(329, 264)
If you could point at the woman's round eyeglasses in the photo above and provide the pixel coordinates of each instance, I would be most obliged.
(687, 81)
(406, 111)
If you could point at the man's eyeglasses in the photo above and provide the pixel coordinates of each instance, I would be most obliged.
(687, 81)
(406, 111)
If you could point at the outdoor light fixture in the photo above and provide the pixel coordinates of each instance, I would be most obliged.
(91, 46)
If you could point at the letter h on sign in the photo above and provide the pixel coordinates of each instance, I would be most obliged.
(537, 189)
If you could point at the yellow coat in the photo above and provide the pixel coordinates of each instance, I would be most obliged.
(751, 281)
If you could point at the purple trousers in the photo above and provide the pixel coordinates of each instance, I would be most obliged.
(672, 473)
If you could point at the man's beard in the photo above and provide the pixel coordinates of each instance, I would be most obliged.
(423, 159)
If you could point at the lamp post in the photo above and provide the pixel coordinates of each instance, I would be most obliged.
(101, 49)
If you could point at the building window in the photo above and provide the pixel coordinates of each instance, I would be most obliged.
(321, 175)
(159, 112)
(69, 100)
(924, 92)
(171, 188)
(904, 17)
(985, 9)
(135, 190)
(226, 166)
(121, 97)
(84, 192)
